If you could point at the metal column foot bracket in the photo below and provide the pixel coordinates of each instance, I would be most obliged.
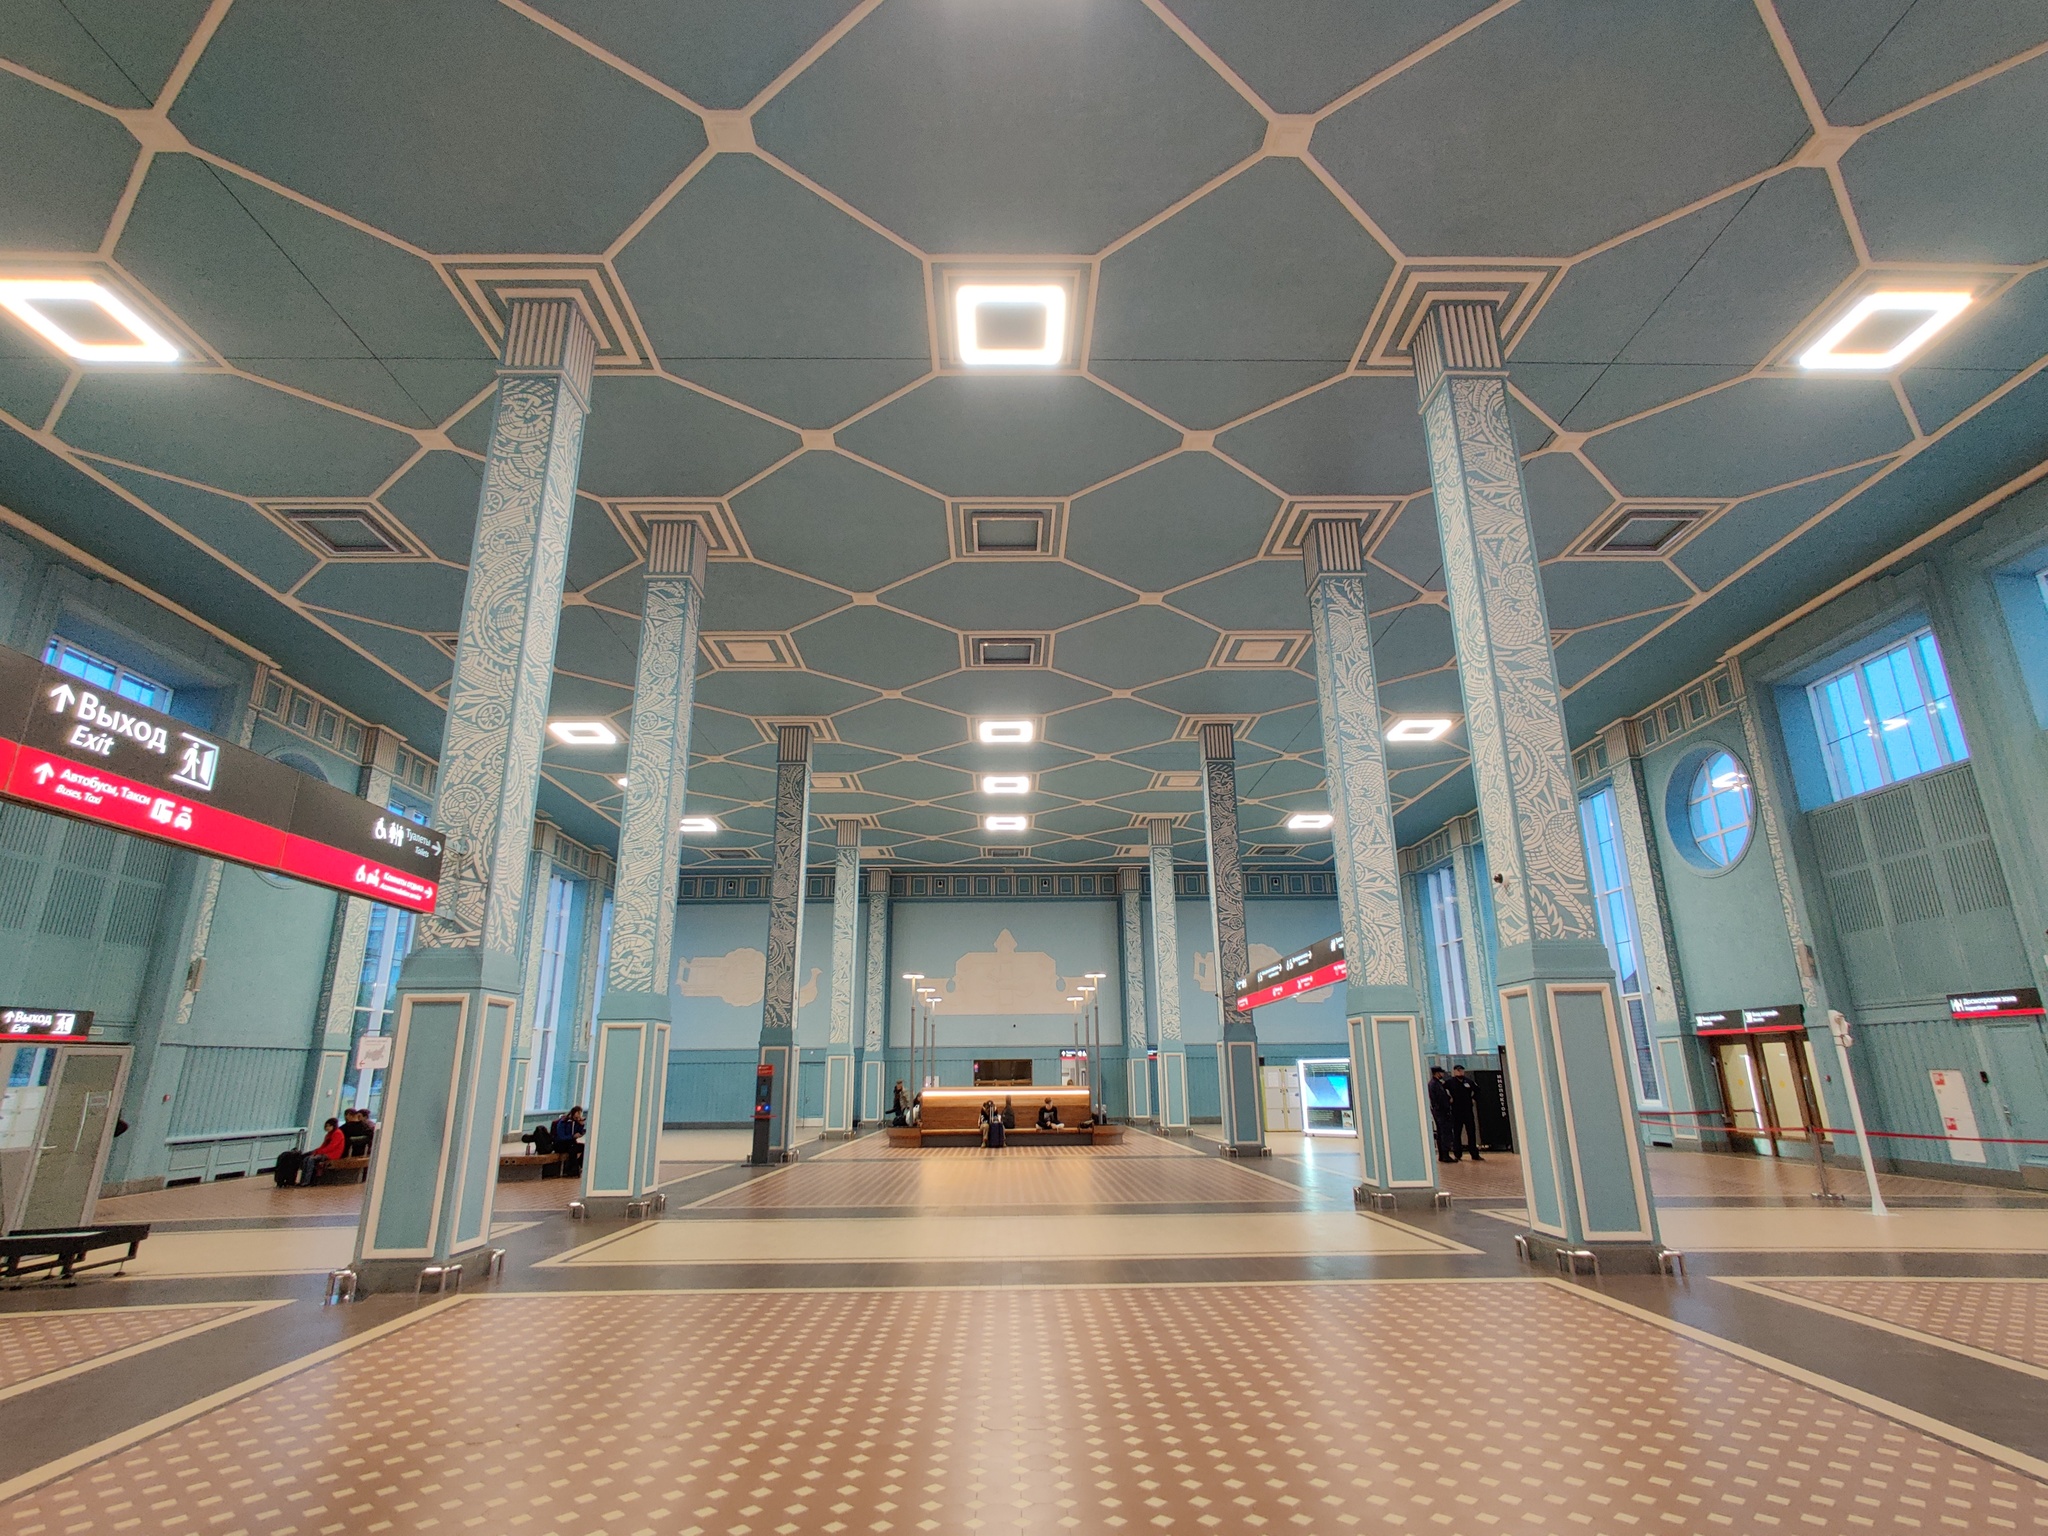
(1578, 1261)
(1830, 1197)
(1522, 1246)
(578, 1211)
(637, 1210)
(1672, 1262)
(659, 1201)
(494, 1263)
(1378, 1199)
(1443, 1199)
(439, 1276)
(341, 1286)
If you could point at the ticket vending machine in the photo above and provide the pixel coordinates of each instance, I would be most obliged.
(764, 1116)
(60, 1102)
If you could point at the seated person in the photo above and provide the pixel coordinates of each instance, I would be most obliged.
(568, 1135)
(357, 1131)
(1048, 1116)
(332, 1148)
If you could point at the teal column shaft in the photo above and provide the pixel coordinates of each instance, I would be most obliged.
(839, 1083)
(1383, 1010)
(629, 1056)
(434, 1171)
(1582, 1153)
(873, 1103)
(1237, 1049)
(1173, 1058)
(785, 928)
(1130, 892)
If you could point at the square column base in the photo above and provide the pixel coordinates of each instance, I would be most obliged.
(1368, 1197)
(409, 1277)
(1546, 1251)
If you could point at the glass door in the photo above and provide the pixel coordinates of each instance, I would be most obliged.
(77, 1129)
(1767, 1086)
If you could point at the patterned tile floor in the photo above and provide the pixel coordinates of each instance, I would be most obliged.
(1003, 1181)
(37, 1346)
(1337, 1407)
(2005, 1318)
(1136, 1143)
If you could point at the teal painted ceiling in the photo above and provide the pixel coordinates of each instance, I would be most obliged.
(762, 202)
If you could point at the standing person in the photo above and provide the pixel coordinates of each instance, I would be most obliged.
(1440, 1112)
(1464, 1115)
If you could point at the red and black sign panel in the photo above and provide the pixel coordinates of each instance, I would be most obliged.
(44, 1026)
(1306, 970)
(80, 751)
(2008, 1003)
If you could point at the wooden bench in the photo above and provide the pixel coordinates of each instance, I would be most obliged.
(345, 1170)
(538, 1165)
(952, 1118)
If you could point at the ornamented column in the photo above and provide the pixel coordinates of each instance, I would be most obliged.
(1582, 1154)
(875, 1014)
(1237, 1051)
(1130, 891)
(1383, 1011)
(785, 929)
(629, 1065)
(434, 1171)
(1173, 1056)
(845, 956)
(348, 943)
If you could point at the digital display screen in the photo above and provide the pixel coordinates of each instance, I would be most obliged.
(68, 747)
(1740, 1021)
(2009, 1003)
(1320, 965)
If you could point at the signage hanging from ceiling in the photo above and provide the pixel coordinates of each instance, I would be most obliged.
(2011, 1003)
(45, 1026)
(1750, 1021)
(68, 747)
(1320, 965)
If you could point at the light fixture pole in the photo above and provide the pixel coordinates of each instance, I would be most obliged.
(916, 1036)
(1099, 1096)
(931, 1058)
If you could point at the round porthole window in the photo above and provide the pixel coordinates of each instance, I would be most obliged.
(1710, 809)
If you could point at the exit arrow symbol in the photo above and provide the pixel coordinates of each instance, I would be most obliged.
(64, 697)
(45, 773)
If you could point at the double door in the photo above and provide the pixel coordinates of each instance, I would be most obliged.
(1767, 1084)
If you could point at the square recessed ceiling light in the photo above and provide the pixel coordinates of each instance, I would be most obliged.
(1310, 821)
(1003, 731)
(583, 733)
(1420, 728)
(620, 781)
(1010, 324)
(1006, 823)
(1894, 339)
(31, 300)
(698, 824)
(1006, 784)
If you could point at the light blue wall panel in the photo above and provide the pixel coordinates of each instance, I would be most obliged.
(1005, 970)
(263, 962)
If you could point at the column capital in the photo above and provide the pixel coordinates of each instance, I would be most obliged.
(1332, 546)
(1159, 832)
(549, 336)
(878, 880)
(846, 831)
(1457, 336)
(675, 549)
(1218, 741)
(792, 744)
(1130, 879)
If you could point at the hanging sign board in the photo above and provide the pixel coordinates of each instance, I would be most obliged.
(69, 747)
(1320, 965)
(373, 1053)
(55, 1026)
(1748, 1021)
(2012, 1003)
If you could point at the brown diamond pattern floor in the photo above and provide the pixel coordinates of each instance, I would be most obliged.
(1997, 1316)
(1369, 1406)
(38, 1344)
(997, 1181)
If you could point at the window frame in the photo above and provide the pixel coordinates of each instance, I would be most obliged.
(1857, 759)
(1695, 801)
(1614, 908)
(59, 649)
(1450, 976)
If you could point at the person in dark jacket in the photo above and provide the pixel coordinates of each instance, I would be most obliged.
(357, 1131)
(1440, 1112)
(1464, 1115)
(1048, 1116)
(901, 1110)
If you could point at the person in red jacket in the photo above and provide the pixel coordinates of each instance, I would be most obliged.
(335, 1145)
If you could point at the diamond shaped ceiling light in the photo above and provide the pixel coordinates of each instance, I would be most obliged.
(1010, 324)
(85, 320)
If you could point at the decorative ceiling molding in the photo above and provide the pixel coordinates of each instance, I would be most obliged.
(716, 525)
(1516, 289)
(344, 528)
(1290, 523)
(1261, 650)
(486, 285)
(750, 651)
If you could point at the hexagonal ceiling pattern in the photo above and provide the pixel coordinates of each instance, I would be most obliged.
(762, 204)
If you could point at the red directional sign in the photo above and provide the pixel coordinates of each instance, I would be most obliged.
(69, 747)
(1320, 965)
